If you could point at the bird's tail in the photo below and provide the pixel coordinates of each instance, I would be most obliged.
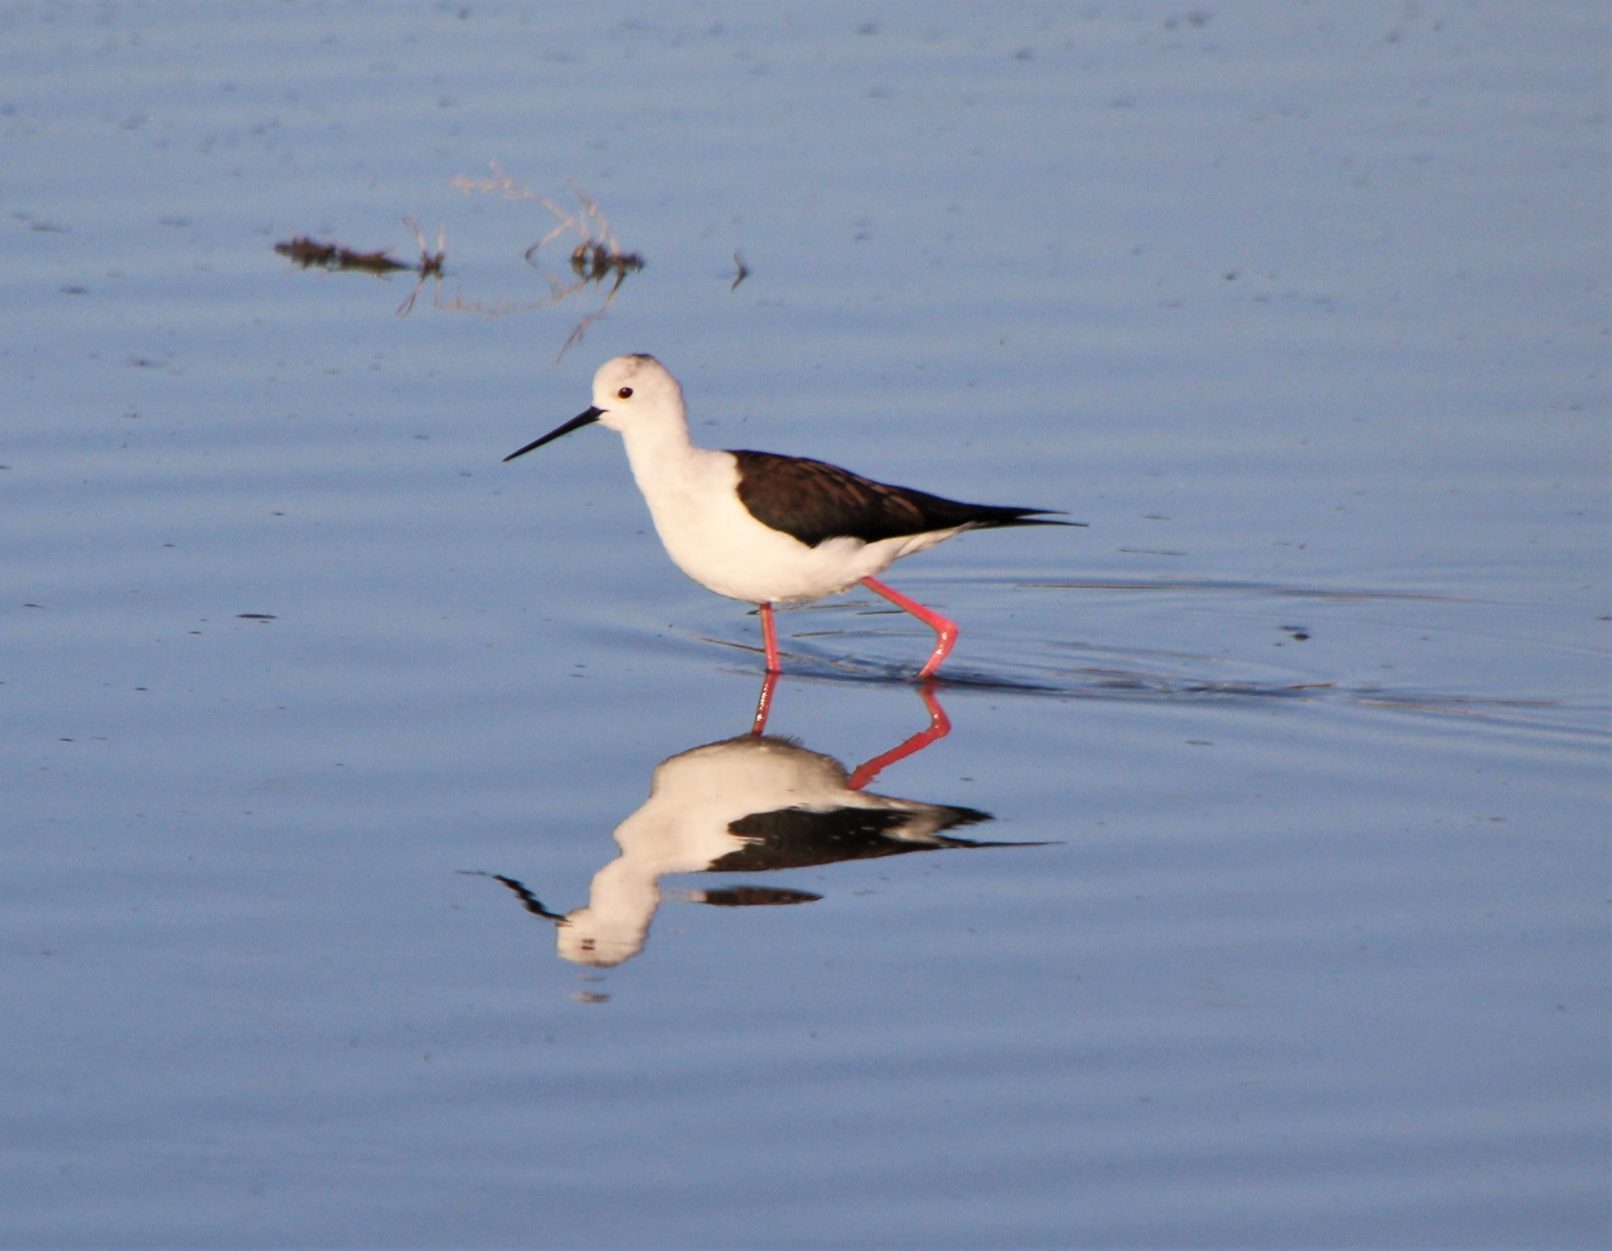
(993, 516)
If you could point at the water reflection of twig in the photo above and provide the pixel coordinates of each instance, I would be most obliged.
(596, 257)
(430, 265)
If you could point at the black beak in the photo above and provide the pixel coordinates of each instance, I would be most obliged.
(528, 900)
(576, 423)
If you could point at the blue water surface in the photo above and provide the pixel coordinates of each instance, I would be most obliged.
(328, 739)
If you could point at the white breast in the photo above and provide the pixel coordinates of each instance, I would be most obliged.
(713, 538)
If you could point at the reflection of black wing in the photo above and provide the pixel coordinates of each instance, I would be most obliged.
(791, 838)
(752, 896)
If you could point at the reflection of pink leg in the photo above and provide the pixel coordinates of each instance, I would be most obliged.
(945, 631)
(769, 639)
(938, 728)
(758, 724)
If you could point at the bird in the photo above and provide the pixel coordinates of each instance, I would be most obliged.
(741, 805)
(767, 528)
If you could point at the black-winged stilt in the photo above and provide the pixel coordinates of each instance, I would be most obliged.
(765, 528)
(744, 805)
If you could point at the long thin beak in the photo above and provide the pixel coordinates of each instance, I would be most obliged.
(528, 900)
(576, 423)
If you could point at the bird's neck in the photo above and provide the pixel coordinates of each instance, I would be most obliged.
(662, 455)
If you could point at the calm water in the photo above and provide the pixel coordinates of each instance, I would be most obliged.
(315, 717)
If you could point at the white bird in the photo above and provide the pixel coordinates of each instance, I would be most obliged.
(766, 528)
(744, 805)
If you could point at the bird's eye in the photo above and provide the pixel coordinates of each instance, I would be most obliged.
(624, 394)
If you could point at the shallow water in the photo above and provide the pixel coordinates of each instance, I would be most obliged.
(312, 709)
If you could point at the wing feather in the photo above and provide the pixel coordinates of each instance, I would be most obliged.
(815, 501)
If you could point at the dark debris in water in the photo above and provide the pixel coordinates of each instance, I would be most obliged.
(596, 261)
(593, 261)
(311, 253)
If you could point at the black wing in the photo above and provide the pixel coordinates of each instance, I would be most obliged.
(792, 838)
(814, 501)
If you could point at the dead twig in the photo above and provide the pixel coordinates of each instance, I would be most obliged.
(597, 256)
(430, 266)
(596, 259)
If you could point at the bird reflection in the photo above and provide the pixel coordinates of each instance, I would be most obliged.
(753, 803)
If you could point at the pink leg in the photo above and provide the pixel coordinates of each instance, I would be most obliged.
(769, 639)
(945, 631)
(938, 728)
(758, 724)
